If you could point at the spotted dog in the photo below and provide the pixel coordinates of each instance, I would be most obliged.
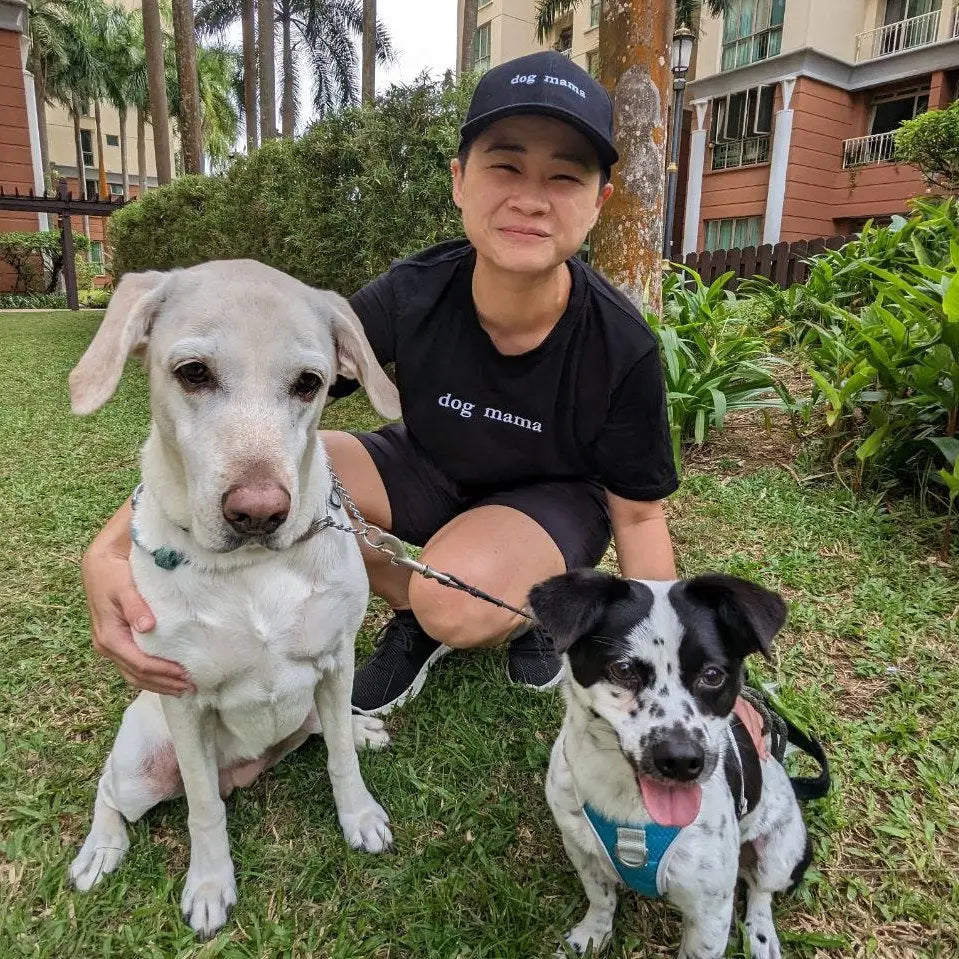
(661, 778)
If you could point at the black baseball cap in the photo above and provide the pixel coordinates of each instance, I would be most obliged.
(549, 84)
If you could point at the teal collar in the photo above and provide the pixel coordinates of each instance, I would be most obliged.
(165, 556)
(638, 853)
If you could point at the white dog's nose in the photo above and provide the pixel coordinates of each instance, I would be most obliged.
(256, 508)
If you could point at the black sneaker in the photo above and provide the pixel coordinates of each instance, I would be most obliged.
(533, 661)
(397, 669)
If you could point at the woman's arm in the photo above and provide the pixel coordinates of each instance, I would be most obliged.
(641, 537)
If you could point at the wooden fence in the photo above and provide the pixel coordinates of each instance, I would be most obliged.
(62, 204)
(784, 263)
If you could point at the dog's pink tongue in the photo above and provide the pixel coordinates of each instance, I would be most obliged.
(670, 804)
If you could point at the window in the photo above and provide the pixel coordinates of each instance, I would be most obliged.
(740, 128)
(483, 3)
(116, 189)
(595, 11)
(113, 140)
(564, 43)
(752, 30)
(734, 233)
(481, 54)
(96, 256)
(92, 188)
(897, 10)
(592, 63)
(86, 145)
(891, 110)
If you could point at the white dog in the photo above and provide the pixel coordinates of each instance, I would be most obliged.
(661, 778)
(254, 595)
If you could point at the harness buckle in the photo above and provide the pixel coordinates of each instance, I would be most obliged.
(631, 847)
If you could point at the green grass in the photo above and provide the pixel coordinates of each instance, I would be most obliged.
(869, 659)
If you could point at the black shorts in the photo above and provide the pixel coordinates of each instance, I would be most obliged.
(423, 500)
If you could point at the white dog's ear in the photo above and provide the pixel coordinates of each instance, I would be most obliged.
(571, 606)
(748, 615)
(124, 330)
(356, 360)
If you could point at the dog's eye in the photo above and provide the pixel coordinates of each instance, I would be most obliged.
(194, 375)
(307, 385)
(712, 677)
(621, 673)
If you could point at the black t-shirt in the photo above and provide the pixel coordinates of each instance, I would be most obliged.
(587, 403)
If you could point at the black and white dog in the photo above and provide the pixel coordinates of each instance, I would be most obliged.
(660, 778)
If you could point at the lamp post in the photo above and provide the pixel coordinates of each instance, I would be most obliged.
(682, 57)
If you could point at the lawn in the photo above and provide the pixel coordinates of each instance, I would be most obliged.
(869, 659)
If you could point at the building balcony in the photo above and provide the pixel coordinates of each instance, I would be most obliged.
(908, 34)
(866, 151)
(739, 153)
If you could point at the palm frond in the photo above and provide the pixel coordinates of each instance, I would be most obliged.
(548, 12)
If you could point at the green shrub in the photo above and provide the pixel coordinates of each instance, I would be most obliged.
(94, 299)
(37, 258)
(712, 362)
(32, 301)
(333, 208)
(930, 142)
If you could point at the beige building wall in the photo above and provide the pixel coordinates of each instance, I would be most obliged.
(513, 30)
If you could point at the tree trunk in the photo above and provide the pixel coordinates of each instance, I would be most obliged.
(249, 74)
(78, 144)
(184, 38)
(267, 71)
(141, 150)
(104, 189)
(626, 245)
(124, 159)
(468, 37)
(286, 107)
(369, 51)
(156, 83)
(40, 90)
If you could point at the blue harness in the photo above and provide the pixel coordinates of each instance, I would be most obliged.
(638, 853)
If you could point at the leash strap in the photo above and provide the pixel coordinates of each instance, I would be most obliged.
(782, 731)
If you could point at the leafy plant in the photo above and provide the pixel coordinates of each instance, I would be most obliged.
(32, 301)
(36, 258)
(712, 363)
(930, 142)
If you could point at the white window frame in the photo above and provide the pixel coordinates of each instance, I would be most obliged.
(734, 220)
(595, 13)
(482, 63)
(750, 124)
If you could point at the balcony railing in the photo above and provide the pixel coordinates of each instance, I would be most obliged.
(863, 151)
(899, 36)
(737, 153)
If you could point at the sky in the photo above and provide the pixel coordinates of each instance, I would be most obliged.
(424, 37)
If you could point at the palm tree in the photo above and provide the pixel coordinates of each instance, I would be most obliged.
(156, 85)
(248, 20)
(184, 34)
(266, 58)
(125, 78)
(468, 37)
(369, 51)
(50, 30)
(318, 38)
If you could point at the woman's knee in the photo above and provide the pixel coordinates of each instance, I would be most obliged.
(457, 619)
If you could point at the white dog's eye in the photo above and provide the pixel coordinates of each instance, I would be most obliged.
(194, 375)
(307, 385)
(712, 677)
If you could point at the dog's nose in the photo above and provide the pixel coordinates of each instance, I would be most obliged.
(256, 509)
(679, 759)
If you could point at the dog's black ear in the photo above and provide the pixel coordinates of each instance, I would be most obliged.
(571, 605)
(749, 616)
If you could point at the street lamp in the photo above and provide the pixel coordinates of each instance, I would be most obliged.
(683, 40)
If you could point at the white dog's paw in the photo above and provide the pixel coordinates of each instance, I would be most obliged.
(369, 732)
(207, 899)
(579, 938)
(99, 855)
(367, 828)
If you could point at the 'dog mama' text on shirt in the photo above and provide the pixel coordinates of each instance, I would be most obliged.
(465, 410)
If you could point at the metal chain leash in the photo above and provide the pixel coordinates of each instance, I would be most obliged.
(389, 545)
